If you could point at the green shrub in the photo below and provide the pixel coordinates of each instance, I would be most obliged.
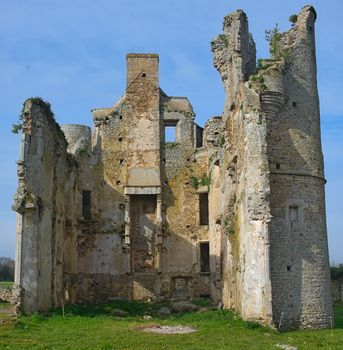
(195, 182)
(16, 128)
(293, 19)
(259, 64)
(222, 141)
(223, 39)
(252, 325)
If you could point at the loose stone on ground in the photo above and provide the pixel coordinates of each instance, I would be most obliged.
(119, 313)
(163, 312)
(286, 347)
(168, 329)
(183, 306)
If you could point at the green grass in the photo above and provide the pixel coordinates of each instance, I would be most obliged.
(92, 327)
(6, 284)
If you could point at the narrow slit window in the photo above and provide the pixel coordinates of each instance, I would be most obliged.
(204, 257)
(86, 204)
(170, 133)
(203, 206)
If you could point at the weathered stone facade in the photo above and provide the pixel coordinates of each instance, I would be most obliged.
(234, 211)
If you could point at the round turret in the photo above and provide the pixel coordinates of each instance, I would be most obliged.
(78, 137)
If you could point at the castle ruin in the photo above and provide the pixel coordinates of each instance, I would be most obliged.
(233, 211)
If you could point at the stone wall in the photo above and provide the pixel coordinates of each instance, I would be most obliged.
(274, 239)
(299, 252)
(244, 178)
(6, 294)
(45, 186)
(13, 296)
(143, 120)
(101, 252)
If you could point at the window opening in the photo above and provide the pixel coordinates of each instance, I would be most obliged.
(204, 257)
(86, 204)
(203, 206)
(199, 137)
(170, 133)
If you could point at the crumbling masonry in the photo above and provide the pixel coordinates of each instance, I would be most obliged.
(234, 211)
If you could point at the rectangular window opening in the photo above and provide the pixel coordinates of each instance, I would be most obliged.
(294, 213)
(170, 133)
(199, 137)
(86, 205)
(203, 207)
(204, 257)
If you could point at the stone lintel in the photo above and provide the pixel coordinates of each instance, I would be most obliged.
(142, 190)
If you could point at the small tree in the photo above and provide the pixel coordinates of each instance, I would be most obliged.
(273, 36)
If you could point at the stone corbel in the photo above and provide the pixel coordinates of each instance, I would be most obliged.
(25, 201)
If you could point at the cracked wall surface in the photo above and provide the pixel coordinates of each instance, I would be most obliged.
(117, 211)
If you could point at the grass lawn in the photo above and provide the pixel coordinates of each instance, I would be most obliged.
(6, 284)
(92, 327)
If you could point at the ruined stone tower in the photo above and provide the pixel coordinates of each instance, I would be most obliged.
(234, 211)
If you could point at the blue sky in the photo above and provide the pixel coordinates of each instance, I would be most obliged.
(72, 53)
